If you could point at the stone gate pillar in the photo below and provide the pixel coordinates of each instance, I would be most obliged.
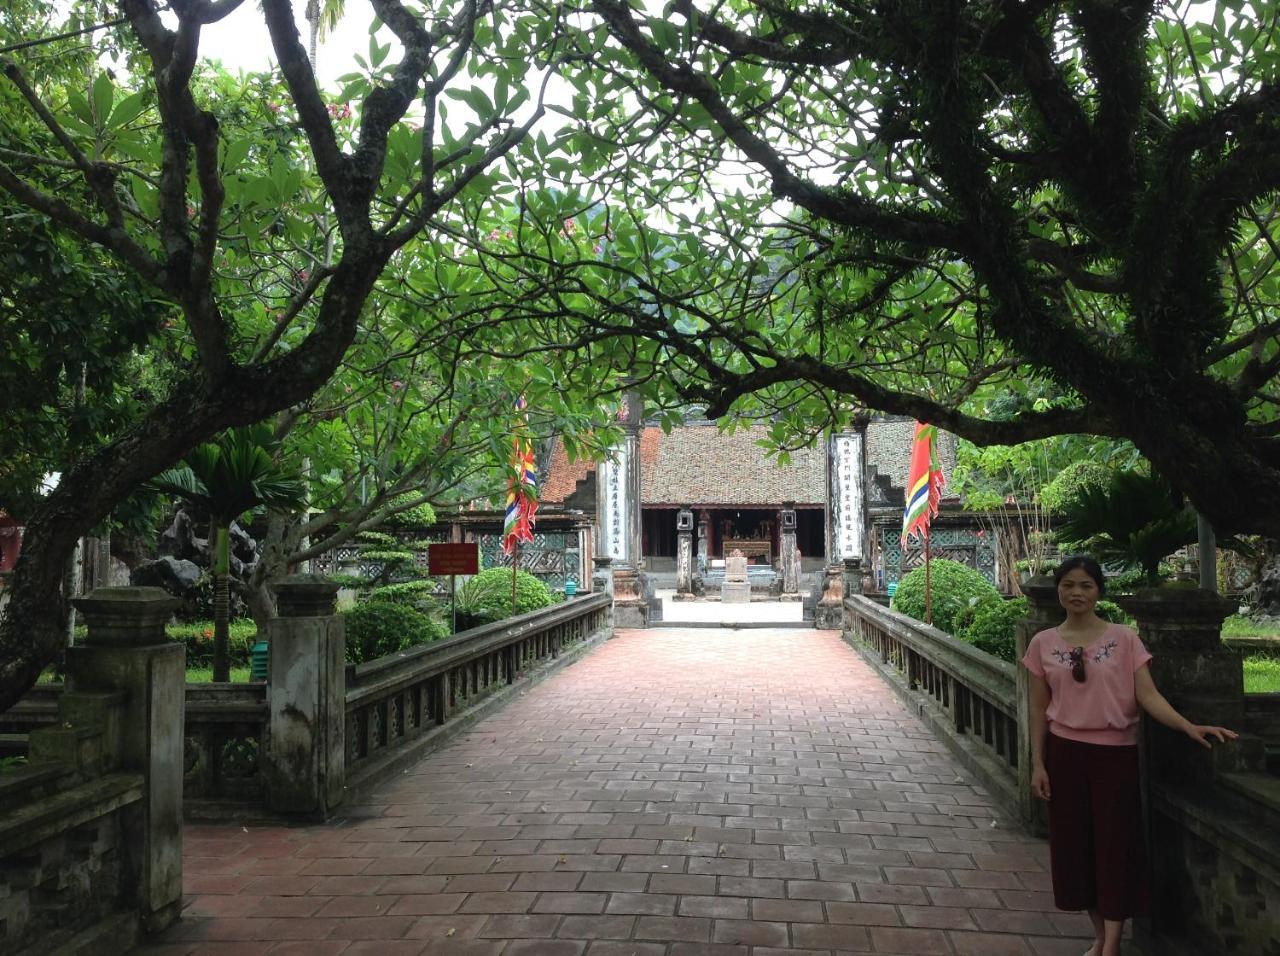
(1043, 611)
(127, 657)
(305, 769)
(1204, 681)
(684, 555)
(1201, 677)
(704, 541)
(619, 520)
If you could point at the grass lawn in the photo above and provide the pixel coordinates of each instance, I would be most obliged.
(1261, 675)
(204, 675)
(1239, 626)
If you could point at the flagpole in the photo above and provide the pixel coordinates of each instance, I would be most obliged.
(928, 584)
(515, 563)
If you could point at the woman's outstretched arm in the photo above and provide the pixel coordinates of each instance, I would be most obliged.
(1153, 702)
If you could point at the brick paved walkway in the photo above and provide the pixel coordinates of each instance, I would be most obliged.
(677, 792)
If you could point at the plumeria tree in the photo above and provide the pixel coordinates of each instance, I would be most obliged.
(948, 209)
(213, 195)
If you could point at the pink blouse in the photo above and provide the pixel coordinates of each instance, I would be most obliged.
(1103, 709)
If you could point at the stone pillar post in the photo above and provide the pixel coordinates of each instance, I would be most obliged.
(704, 541)
(852, 574)
(1043, 611)
(684, 555)
(630, 604)
(602, 582)
(789, 554)
(127, 656)
(1201, 677)
(829, 613)
(1204, 681)
(305, 766)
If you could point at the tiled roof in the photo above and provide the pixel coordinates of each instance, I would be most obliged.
(562, 476)
(700, 465)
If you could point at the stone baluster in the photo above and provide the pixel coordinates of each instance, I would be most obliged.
(305, 766)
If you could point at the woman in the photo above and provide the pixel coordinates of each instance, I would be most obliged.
(1088, 679)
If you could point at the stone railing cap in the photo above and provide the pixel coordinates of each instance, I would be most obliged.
(305, 595)
(145, 599)
(127, 616)
(1179, 601)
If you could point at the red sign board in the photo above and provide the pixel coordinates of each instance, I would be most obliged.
(445, 559)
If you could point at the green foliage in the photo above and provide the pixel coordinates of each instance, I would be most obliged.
(1113, 612)
(487, 595)
(956, 587)
(993, 626)
(1126, 582)
(1071, 482)
(388, 557)
(235, 473)
(378, 538)
(1134, 520)
(377, 628)
(197, 636)
(403, 592)
(417, 518)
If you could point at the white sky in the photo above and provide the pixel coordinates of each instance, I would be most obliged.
(241, 42)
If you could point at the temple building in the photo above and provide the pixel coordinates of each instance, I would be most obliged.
(841, 498)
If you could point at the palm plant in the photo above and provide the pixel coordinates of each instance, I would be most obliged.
(1135, 519)
(225, 478)
(322, 18)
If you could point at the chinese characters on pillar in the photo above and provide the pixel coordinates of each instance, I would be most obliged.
(846, 497)
(616, 505)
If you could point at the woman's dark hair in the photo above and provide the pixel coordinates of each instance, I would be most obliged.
(1086, 564)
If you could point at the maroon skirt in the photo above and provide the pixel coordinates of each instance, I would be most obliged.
(1095, 829)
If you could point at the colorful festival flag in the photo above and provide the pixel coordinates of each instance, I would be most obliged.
(522, 486)
(924, 485)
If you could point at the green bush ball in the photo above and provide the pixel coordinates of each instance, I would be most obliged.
(956, 587)
(377, 628)
(490, 591)
(993, 627)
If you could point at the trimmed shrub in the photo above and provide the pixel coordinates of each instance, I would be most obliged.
(955, 588)
(377, 628)
(405, 592)
(994, 625)
(487, 596)
(198, 639)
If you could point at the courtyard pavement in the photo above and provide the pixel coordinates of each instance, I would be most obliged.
(676, 792)
(717, 612)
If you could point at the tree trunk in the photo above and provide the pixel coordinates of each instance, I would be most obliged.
(222, 603)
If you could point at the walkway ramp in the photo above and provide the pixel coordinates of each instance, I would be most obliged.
(677, 792)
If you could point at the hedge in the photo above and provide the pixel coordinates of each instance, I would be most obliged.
(377, 628)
